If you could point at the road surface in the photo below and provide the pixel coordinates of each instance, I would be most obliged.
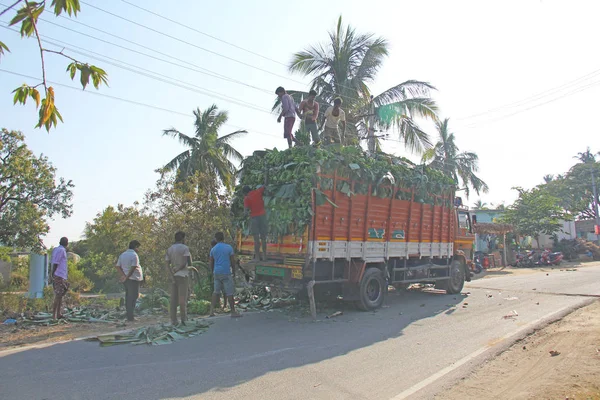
(409, 349)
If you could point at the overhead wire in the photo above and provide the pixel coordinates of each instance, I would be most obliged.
(138, 70)
(536, 96)
(207, 50)
(572, 92)
(138, 103)
(203, 33)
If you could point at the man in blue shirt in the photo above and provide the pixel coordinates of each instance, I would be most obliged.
(222, 259)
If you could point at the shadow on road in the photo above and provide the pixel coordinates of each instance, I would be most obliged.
(230, 353)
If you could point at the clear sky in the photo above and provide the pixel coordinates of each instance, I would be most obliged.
(488, 60)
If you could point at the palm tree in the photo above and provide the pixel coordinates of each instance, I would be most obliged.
(480, 205)
(206, 151)
(548, 178)
(460, 166)
(587, 156)
(344, 66)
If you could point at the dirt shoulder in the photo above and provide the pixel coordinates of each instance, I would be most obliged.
(507, 271)
(528, 370)
(12, 336)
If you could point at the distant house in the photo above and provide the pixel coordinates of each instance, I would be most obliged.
(585, 230)
(488, 243)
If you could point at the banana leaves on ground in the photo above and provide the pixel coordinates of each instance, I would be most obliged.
(292, 177)
(154, 335)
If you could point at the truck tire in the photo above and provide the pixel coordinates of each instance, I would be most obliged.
(372, 290)
(455, 284)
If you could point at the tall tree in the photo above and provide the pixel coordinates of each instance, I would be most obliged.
(26, 14)
(206, 152)
(344, 67)
(446, 157)
(574, 189)
(29, 193)
(534, 213)
(480, 205)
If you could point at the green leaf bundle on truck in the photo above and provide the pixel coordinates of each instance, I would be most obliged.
(354, 223)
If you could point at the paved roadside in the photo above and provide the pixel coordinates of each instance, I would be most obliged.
(561, 361)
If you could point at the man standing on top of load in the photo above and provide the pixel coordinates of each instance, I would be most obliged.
(288, 113)
(309, 111)
(333, 117)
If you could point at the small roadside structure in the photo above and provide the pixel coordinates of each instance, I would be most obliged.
(497, 229)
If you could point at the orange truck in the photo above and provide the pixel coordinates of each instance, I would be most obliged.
(362, 243)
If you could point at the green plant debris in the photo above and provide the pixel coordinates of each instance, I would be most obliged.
(293, 180)
(154, 335)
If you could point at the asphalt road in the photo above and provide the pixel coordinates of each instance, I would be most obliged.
(406, 350)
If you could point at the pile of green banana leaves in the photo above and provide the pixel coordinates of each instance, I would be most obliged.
(291, 177)
(154, 335)
(79, 314)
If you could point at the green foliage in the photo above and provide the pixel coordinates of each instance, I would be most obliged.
(195, 206)
(3, 48)
(18, 281)
(77, 280)
(343, 67)
(446, 157)
(574, 189)
(204, 288)
(29, 193)
(534, 213)
(292, 180)
(199, 307)
(27, 16)
(206, 152)
(5, 253)
(155, 298)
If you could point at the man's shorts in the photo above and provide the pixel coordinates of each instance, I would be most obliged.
(288, 126)
(61, 286)
(259, 225)
(331, 135)
(223, 282)
(313, 129)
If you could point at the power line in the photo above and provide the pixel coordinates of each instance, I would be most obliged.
(196, 68)
(192, 44)
(125, 100)
(575, 91)
(203, 33)
(204, 49)
(534, 97)
(188, 86)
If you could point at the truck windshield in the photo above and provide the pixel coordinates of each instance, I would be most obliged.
(464, 221)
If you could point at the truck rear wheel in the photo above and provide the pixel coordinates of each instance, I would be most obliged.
(372, 290)
(455, 284)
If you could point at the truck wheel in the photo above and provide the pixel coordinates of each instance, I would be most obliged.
(456, 282)
(372, 290)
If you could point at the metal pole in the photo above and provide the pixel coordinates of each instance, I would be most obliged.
(595, 202)
(371, 128)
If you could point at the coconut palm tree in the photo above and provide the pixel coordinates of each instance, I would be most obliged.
(460, 166)
(480, 205)
(344, 67)
(206, 151)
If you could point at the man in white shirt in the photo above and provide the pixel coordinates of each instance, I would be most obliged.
(132, 276)
(334, 116)
(59, 275)
(178, 260)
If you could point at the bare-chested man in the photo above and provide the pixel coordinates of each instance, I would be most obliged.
(309, 111)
